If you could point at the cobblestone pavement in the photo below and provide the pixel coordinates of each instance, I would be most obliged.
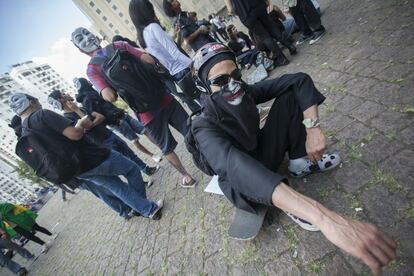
(364, 65)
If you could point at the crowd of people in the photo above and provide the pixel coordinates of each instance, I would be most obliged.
(222, 133)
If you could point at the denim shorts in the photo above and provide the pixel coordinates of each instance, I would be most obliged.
(130, 128)
(173, 115)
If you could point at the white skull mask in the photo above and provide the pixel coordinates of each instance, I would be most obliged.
(85, 40)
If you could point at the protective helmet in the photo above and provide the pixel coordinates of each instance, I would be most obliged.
(203, 56)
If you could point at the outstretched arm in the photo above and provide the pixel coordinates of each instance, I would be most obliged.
(360, 239)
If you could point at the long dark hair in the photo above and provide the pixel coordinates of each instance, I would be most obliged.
(142, 14)
(168, 8)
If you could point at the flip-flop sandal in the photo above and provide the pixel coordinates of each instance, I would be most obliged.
(190, 184)
(328, 162)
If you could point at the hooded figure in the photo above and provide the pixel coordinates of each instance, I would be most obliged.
(245, 157)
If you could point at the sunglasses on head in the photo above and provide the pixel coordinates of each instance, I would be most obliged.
(224, 79)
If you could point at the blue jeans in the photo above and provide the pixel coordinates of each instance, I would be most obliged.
(108, 197)
(9, 263)
(130, 128)
(116, 143)
(289, 25)
(132, 193)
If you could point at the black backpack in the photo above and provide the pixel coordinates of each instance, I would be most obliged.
(193, 147)
(55, 162)
(136, 82)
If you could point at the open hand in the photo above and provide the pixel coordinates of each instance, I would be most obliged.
(362, 240)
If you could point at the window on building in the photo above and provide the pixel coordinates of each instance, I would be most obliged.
(104, 18)
(114, 7)
(25, 74)
(121, 14)
(108, 1)
(98, 11)
(126, 21)
(116, 31)
(111, 25)
(92, 4)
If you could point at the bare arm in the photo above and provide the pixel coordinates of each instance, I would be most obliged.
(360, 239)
(194, 35)
(109, 95)
(74, 132)
(229, 7)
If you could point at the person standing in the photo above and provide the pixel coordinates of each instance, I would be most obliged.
(23, 222)
(6, 260)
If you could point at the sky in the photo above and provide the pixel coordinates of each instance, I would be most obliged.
(39, 30)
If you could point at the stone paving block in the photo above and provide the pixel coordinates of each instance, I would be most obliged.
(335, 121)
(214, 240)
(312, 246)
(379, 148)
(332, 265)
(284, 265)
(271, 242)
(401, 167)
(353, 133)
(352, 176)
(390, 121)
(348, 103)
(174, 264)
(395, 72)
(367, 110)
(215, 266)
(407, 135)
(359, 86)
(379, 201)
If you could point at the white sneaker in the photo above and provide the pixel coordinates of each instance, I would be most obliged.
(327, 162)
(156, 215)
(156, 158)
(302, 223)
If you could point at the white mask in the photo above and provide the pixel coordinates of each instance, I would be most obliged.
(85, 40)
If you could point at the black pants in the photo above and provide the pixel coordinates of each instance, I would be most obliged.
(306, 17)
(261, 25)
(283, 132)
(31, 235)
(223, 33)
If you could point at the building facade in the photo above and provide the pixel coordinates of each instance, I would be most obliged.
(109, 17)
(39, 80)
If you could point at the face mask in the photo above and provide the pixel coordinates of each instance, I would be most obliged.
(85, 40)
(237, 113)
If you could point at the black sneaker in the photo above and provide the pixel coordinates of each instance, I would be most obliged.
(22, 272)
(156, 214)
(280, 60)
(292, 49)
(303, 38)
(316, 36)
(151, 170)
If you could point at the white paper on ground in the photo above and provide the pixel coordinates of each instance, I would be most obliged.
(213, 186)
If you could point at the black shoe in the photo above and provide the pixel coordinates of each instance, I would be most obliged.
(151, 170)
(316, 36)
(303, 39)
(156, 215)
(22, 272)
(292, 49)
(280, 60)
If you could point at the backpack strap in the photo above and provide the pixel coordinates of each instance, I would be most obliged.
(99, 60)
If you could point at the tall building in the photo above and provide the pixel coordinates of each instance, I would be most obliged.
(8, 86)
(12, 188)
(39, 80)
(109, 17)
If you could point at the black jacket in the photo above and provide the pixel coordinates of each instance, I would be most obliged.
(239, 173)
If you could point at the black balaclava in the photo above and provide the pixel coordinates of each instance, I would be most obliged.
(240, 121)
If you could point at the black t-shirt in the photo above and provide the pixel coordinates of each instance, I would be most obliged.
(98, 134)
(246, 8)
(236, 47)
(189, 26)
(51, 126)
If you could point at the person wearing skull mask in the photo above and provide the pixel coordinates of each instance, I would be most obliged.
(156, 121)
(247, 158)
